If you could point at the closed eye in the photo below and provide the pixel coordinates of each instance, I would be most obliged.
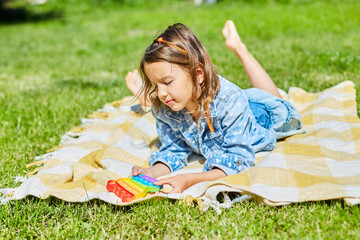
(169, 82)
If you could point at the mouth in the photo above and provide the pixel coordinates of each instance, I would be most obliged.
(169, 102)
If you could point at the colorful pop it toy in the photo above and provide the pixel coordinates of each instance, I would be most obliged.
(133, 188)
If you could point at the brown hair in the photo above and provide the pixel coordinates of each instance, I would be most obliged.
(183, 48)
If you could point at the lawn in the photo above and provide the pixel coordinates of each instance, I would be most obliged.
(55, 71)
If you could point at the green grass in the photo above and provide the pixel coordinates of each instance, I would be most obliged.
(168, 219)
(54, 72)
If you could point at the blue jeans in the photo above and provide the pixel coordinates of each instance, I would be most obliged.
(274, 113)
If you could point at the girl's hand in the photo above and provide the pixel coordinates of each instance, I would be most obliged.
(179, 182)
(139, 170)
(155, 171)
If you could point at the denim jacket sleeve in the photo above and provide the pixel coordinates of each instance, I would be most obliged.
(236, 152)
(173, 151)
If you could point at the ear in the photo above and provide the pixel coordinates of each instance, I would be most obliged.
(200, 75)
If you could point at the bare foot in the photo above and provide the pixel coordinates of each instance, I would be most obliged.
(134, 82)
(136, 170)
(233, 40)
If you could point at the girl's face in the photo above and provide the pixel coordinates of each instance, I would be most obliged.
(174, 86)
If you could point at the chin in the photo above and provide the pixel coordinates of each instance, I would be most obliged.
(176, 108)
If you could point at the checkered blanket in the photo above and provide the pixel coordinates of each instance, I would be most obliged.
(323, 163)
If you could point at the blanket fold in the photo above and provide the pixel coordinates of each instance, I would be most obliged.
(323, 163)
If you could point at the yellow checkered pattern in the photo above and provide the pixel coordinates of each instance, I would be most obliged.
(323, 163)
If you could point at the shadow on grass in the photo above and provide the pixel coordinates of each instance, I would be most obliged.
(23, 15)
(52, 202)
(56, 202)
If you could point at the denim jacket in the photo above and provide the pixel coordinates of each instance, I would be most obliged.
(237, 134)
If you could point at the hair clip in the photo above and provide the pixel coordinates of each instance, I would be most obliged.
(161, 40)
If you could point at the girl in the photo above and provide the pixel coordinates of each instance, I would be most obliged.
(199, 112)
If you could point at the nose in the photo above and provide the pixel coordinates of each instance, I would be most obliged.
(162, 94)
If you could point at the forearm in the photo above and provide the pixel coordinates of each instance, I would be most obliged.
(183, 181)
(257, 75)
(194, 178)
(159, 169)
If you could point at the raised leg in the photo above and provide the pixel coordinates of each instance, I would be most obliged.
(257, 75)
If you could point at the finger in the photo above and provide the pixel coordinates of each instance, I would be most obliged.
(159, 183)
(162, 182)
(134, 167)
(135, 173)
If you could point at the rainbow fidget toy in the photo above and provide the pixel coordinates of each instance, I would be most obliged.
(133, 188)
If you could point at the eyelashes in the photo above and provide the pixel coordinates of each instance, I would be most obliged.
(168, 83)
(155, 87)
